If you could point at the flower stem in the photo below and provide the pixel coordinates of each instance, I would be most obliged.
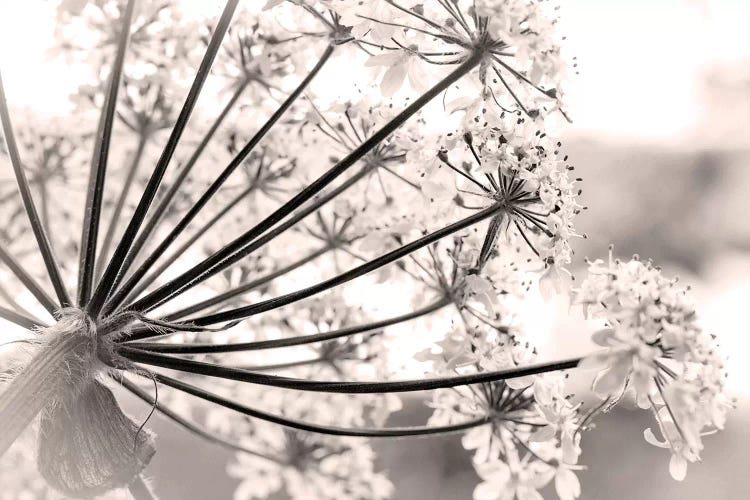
(114, 267)
(361, 270)
(120, 204)
(98, 172)
(185, 423)
(237, 249)
(162, 206)
(320, 429)
(246, 287)
(151, 259)
(345, 387)
(289, 341)
(50, 261)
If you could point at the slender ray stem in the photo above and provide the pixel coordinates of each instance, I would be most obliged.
(246, 287)
(320, 429)
(148, 280)
(311, 207)
(153, 256)
(5, 294)
(163, 203)
(28, 281)
(345, 387)
(98, 172)
(20, 319)
(237, 249)
(290, 341)
(37, 227)
(120, 204)
(283, 366)
(104, 287)
(361, 270)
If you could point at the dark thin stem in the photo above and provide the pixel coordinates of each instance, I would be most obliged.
(237, 249)
(361, 270)
(320, 429)
(98, 172)
(163, 203)
(153, 256)
(290, 341)
(114, 267)
(347, 387)
(21, 320)
(140, 490)
(37, 227)
(5, 294)
(299, 215)
(120, 204)
(246, 287)
(282, 366)
(185, 423)
(28, 281)
(148, 280)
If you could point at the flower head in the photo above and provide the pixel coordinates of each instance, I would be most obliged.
(655, 347)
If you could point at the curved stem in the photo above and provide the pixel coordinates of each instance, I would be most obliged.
(114, 267)
(120, 204)
(246, 287)
(98, 171)
(153, 256)
(367, 267)
(42, 240)
(162, 205)
(185, 423)
(28, 281)
(320, 429)
(237, 249)
(346, 387)
(289, 341)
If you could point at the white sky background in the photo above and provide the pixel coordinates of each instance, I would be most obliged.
(639, 62)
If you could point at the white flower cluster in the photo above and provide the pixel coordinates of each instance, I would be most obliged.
(655, 348)
(532, 436)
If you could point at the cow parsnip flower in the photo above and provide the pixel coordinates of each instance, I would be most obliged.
(655, 347)
(221, 220)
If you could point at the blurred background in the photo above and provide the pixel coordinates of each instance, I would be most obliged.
(661, 136)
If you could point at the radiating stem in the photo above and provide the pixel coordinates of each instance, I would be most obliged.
(120, 204)
(148, 280)
(163, 203)
(114, 268)
(28, 281)
(185, 423)
(246, 287)
(361, 270)
(237, 249)
(42, 240)
(346, 387)
(98, 171)
(23, 320)
(153, 256)
(287, 341)
(320, 429)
